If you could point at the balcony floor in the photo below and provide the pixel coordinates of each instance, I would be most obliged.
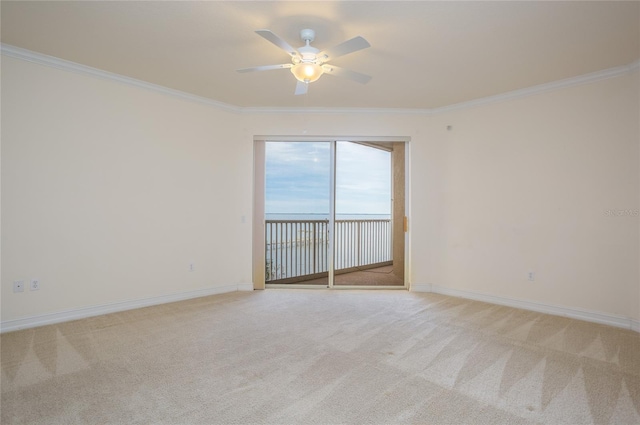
(379, 276)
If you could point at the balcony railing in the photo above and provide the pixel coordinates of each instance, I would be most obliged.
(297, 250)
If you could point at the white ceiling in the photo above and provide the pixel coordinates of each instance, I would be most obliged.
(424, 54)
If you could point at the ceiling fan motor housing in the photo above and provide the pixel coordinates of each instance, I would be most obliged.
(308, 35)
(308, 53)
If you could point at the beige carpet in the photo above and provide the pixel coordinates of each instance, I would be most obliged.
(322, 357)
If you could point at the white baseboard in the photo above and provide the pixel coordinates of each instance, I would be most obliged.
(245, 287)
(574, 313)
(420, 287)
(81, 313)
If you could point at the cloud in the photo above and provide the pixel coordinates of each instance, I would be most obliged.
(298, 177)
(363, 179)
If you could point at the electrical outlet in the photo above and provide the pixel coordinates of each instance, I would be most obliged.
(18, 286)
(35, 284)
(531, 276)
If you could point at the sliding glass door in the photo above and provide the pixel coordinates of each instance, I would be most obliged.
(363, 221)
(329, 215)
(297, 212)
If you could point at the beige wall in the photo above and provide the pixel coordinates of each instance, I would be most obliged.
(528, 185)
(109, 191)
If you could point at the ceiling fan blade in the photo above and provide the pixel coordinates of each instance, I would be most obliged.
(346, 73)
(265, 67)
(268, 35)
(349, 46)
(301, 88)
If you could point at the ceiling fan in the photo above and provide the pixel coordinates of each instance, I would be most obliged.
(308, 63)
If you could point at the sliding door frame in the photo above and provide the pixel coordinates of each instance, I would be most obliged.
(258, 220)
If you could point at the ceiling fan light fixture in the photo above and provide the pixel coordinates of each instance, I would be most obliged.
(306, 72)
(308, 63)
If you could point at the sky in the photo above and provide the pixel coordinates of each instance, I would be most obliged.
(297, 178)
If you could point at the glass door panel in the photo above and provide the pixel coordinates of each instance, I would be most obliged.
(364, 234)
(297, 213)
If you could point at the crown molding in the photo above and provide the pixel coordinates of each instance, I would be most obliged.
(42, 59)
(542, 88)
(65, 65)
(329, 110)
(512, 95)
